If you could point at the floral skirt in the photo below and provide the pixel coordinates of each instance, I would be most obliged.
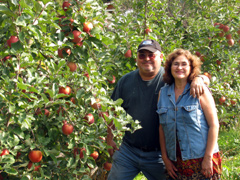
(191, 169)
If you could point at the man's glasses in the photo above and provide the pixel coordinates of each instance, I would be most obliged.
(143, 56)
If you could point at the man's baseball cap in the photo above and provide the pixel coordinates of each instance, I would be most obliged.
(150, 45)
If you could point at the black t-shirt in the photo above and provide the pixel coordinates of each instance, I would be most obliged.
(140, 101)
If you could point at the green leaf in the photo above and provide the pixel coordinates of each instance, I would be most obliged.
(43, 140)
(117, 124)
(24, 178)
(5, 10)
(11, 171)
(37, 6)
(70, 162)
(54, 158)
(46, 100)
(11, 108)
(28, 4)
(3, 96)
(14, 2)
(20, 21)
(16, 46)
(36, 32)
(13, 141)
(107, 40)
(80, 92)
(8, 159)
(22, 86)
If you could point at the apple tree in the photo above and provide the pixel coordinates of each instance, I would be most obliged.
(56, 78)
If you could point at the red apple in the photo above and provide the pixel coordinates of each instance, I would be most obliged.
(101, 114)
(67, 128)
(230, 42)
(107, 166)
(198, 54)
(102, 138)
(87, 75)
(36, 168)
(12, 39)
(38, 111)
(29, 164)
(66, 90)
(110, 6)
(72, 66)
(228, 36)
(208, 75)
(221, 34)
(222, 99)
(202, 58)
(218, 62)
(233, 101)
(226, 28)
(221, 26)
(87, 26)
(216, 24)
(96, 105)
(94, 155)
(76, 38)
(65, 5)
(60, 53)
(128, 54)
(35, 156)
(148, 30)
(73, 100)
(77, 151)
(79, 43)
(6, 58)
(90, 118)
(18, 155)
(81, 153)
(113, 80)
(4, 152)
(238, 31)
(46, 112)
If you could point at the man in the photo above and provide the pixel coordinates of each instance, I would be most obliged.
(140, 151)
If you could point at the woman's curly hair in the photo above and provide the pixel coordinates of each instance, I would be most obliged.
(195, 64)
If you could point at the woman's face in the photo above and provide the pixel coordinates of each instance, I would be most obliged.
(180, 68)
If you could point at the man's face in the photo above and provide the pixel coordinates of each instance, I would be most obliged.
(148, 62)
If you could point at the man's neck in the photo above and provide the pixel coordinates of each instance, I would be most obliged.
(148, 76)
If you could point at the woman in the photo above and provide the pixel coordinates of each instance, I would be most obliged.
(188, 129)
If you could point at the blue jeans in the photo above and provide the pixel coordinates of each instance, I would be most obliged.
(129, 161)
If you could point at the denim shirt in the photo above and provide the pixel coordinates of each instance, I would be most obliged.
(184, 121)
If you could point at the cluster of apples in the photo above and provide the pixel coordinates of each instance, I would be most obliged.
(77, 40)
(225, 32)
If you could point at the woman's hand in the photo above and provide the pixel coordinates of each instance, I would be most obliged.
(171, 169)
(207, 167)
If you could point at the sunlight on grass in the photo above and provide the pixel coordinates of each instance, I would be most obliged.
(140, 176)
(229, 144)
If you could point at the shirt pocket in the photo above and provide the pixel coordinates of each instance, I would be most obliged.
(190, 114)
(162, 113)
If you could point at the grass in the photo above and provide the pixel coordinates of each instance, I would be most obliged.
(229, 145)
